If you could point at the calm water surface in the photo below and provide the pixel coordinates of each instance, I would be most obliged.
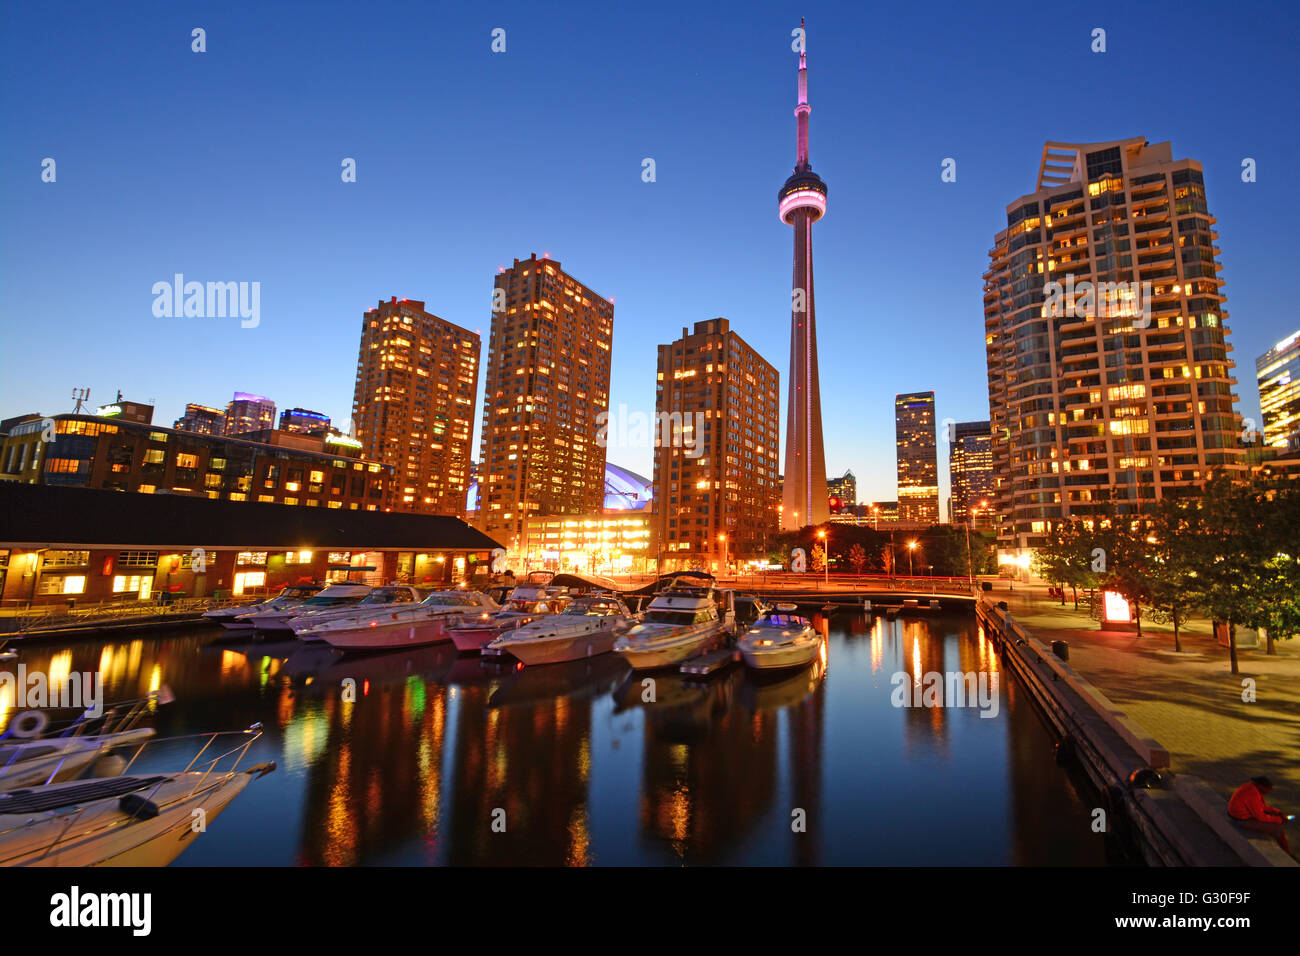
(588, 773)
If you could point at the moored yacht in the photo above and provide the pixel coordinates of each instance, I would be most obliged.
(527, 603)
(780, 640)
(689, 618)
(135, 819)
(587, 627)
(407, 626)
(379, 599)
(236, 618)
(334, 597)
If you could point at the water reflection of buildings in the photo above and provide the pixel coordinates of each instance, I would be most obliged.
(364, 799)
(532, 760)
(711, 762)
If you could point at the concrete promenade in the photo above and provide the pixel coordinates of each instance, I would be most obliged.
(1189, 701)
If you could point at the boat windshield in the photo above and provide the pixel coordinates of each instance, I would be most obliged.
(593, 608)
(676, 617)
(292, 592)
(784, 620)
(528, 607)
(450, 600)
(387, 596)
(320, 601)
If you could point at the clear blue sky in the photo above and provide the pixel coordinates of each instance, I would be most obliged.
(225, 166)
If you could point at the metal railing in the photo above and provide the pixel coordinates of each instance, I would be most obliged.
(49, 616)
(74, 814)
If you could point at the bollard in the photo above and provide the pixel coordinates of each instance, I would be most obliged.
(1061, 649)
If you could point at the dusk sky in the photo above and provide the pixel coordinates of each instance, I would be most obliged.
(225, 166)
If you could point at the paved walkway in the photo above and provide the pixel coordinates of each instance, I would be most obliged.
(1189, 701)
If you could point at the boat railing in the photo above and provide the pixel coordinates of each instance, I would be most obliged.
(73, 814)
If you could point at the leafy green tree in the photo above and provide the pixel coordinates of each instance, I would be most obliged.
(1268, 510)
(1174, 523)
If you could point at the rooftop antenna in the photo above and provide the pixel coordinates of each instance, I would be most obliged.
(79, 395)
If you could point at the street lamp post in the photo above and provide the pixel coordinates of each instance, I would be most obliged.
(826, 556)
(911, 547)
(723, 539)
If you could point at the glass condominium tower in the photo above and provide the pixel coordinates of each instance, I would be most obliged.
(1110, 382)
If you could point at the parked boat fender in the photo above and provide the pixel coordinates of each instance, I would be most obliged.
(109, 765)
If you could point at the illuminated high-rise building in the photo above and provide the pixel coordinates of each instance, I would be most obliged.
(201, 420)
(918, 463)
(717, 444)
(547, 384)
(1110, 383)
(1278, 373)
(801, 202)
(845, 488)
(970, 473)
(248, 413)
(413, 405)
(303, 421)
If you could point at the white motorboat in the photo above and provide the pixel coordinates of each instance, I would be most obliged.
(587, 627)
(236, 618)
(410, 626)
(530, 601)
(780, 640)
(30, 757)
(46, 760)
(139, 819)
(689, 618)
(379, 599)
(333, 597)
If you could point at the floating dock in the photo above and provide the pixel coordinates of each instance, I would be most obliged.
(710, 663)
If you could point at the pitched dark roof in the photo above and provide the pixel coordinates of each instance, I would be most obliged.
(51, 516)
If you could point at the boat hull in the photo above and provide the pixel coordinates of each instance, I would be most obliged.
(669, 652)
(562, 648)
(105, 835)
(410, 633)
(780, 658)
(475, 637)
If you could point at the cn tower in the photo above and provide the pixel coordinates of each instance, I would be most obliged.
(802, 201)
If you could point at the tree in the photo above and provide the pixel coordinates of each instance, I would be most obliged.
(1126, 552)
(1174, 523)
(819, 557)
(858, 557)
(1268, 510)
(1221, 561)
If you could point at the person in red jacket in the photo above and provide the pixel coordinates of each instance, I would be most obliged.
(1248, 808)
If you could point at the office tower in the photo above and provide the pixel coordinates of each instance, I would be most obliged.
(844, 488)
(249, 413)
(413, 405)
(547, 383)
(970, 473)
(918, 464)
(301, 421)
(801, 202)
(201, 420)
(717, 489)
(1278, 373)
(1110, 383)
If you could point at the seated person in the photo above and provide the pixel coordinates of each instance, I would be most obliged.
(1248, 808)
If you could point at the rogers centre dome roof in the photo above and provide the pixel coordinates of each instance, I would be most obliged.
(624, 490)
